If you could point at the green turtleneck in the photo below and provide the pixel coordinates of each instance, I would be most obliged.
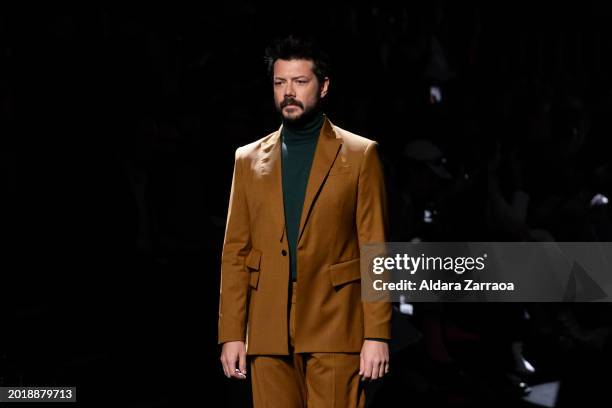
(299, 144)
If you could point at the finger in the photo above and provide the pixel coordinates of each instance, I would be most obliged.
(387, 368)
(361, 365)
(238, 375)
(234, 369)
(233, 366)
(375, 369)
(243, 365)
(225, 369)
(381, 369)
(367, 374)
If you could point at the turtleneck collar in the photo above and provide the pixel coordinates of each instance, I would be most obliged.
(306, 131)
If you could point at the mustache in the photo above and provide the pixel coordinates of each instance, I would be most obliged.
(291, 101)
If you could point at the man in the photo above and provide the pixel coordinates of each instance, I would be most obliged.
(303, 200)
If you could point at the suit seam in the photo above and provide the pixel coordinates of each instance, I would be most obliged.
(334, 385)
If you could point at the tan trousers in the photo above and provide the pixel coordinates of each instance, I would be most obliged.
(313, 380)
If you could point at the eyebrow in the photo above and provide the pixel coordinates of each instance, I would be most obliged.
(294, 78)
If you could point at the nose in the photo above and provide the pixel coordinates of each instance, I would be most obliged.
(289, 91)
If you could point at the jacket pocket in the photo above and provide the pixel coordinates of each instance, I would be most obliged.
(344, 272)
(253, 262)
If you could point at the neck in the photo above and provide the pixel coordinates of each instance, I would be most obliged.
(309, 122)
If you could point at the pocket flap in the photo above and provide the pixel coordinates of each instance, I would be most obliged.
(344, 272)
(254, 279)
(253, 259)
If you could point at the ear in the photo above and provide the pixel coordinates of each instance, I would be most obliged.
(324, 87)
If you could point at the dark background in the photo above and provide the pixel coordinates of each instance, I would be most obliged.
(119, 126)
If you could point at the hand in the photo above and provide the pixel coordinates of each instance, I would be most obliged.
(233, 359)
(374, 362)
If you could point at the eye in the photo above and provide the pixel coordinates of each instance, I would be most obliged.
(301, 81)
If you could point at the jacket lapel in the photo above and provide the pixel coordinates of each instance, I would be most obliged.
(270, 168)
(326, 151)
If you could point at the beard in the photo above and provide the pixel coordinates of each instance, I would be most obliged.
(307, 112)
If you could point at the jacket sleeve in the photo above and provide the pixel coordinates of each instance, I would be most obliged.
(372, 228)
(234, 276)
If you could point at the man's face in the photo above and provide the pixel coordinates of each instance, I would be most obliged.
(297, 90)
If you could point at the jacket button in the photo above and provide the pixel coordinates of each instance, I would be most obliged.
(284, 252)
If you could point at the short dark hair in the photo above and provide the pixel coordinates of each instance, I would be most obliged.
(293, 47)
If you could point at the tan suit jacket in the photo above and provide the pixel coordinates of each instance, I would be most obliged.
(344, 207)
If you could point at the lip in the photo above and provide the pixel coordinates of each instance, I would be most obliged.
(291, 106)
